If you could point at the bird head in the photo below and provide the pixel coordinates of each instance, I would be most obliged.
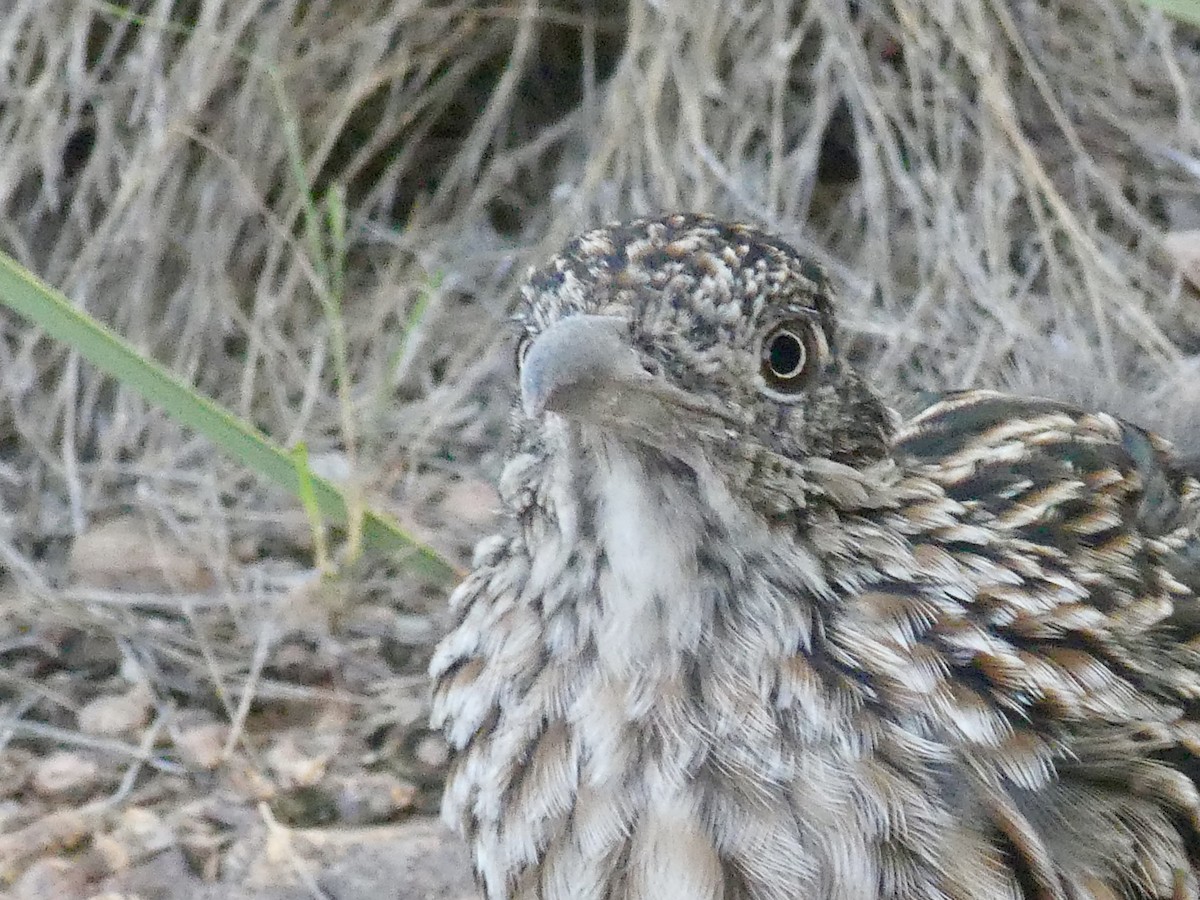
(694, 337)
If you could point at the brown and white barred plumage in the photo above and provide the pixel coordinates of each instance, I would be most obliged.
(739, 644)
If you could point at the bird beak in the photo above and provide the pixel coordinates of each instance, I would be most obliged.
(581, 367)
(584, 367)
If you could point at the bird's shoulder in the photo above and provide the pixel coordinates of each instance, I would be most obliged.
(1080, 626)
(1093, 521)
(1049, 472)
(1065, 552)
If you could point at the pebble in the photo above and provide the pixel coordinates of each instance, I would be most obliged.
(125, 554)
(202, 746)
(117, 715)
(52, 833)
(294, 767)
(55, 878)
(66, 776)
(432, 751)
(139, 834)
(471, 501)
(367, 798)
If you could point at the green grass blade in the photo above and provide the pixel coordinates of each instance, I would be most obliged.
(335, 224)
(308, 499)
(291, 140)
(32, 299)
(1183, 10)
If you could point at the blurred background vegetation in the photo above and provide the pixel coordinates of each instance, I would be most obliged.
(316, 212)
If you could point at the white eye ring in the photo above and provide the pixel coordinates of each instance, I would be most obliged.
(785, 355)
(523, 345)
(788, 353)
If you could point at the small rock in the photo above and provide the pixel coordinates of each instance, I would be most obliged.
(66, 776)
(117, 715)
(139, 835)
(294, 767)
(407, 712)
(431, 751)
(11, 812)
(412, 630)
(471, 501)
(52, 878)
(202, 746)
(249, 781)
(125, 554)
(329, 728)
(409, 636)
(57, 831)
(201, 848)
(367, 798)
(304, 807)
(367, 620)
(86, 652)
(163, 876)
(334, 466)
(416, 860)
(298, 663)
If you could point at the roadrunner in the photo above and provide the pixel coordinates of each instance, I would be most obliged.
(745, 634)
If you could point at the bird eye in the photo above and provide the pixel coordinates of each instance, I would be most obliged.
(786, 357)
